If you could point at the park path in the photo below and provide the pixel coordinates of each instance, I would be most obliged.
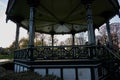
(4, 61)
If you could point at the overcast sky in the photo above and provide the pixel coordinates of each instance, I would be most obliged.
(8, 30)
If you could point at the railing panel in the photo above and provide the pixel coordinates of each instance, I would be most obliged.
(63, 52)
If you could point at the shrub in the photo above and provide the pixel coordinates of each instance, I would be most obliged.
(8, 56)
(28, 75)
(21, 76)
(51, 77)
(2, 72)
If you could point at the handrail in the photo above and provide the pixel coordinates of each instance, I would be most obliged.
(55, 52)
(66, 52)
(113, 52)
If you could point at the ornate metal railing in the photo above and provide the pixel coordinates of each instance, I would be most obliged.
(63, 52)
(113, 52)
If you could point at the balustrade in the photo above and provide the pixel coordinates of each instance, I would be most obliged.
(62, 52)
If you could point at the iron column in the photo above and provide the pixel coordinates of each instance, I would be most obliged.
(17, 36)
(52, 39)
(91, 33)
(109, 34)
(31, 27)
(73, 39)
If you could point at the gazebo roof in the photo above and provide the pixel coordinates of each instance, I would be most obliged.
(61, 16)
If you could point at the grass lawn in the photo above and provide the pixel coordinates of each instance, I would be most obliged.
(10, 56)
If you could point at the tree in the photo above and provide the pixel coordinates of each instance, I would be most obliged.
(40, 39)
(68, 41)
(3, 51)
(78, 39)
(12, 46)
(50, 40)
(115, 33)
(23, 43)
(81, 38)
(55, 41)
(62, 43)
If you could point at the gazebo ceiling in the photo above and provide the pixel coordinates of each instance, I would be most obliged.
(61, 16)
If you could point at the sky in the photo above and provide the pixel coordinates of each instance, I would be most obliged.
(8, 30)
